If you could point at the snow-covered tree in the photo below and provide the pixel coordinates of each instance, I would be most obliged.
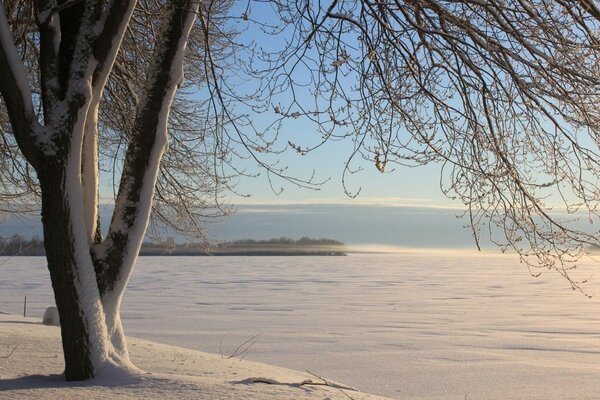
(502, 92)
(55, 126)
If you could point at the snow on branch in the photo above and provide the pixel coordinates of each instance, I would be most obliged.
(16, 93)
(146, 148)
(108, 42)
(12, 68)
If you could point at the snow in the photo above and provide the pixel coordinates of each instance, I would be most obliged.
(84, 273)
(51, 317)
(89, 173)
(44, 15)
(32, 371)
(90, 145)
(112, 300)
(423, 326)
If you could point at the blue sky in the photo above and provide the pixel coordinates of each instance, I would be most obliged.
(389, 222)
(402, 207)
(327, 162)
(358, 224)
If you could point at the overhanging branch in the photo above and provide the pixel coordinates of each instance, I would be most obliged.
(15, 90)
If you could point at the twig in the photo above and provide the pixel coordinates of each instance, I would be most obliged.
(183, 358)
(306, 382)
(326, 383)
(242, 350)
(221, 346)
(11, 352)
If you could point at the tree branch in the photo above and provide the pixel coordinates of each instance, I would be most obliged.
(49, 27)
(105, 49)
(15, 90)
(146, 147)
(108, 42)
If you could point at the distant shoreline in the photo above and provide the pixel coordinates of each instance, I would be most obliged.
(262, 248)
(17, 246)
(247, 254)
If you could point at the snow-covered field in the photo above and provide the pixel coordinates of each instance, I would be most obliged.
(409, 326)
(32, 360)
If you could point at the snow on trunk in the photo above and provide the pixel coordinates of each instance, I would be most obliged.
(85, 275)
(107, 342)
(90, 178)
(89, 170)
(135, 233)
(144, 207)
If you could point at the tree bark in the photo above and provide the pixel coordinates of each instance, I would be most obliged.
(116, 256)
(59, 244)
(89, 275)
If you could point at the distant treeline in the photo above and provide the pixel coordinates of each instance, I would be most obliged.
(284, 241)
(19, 246)
(282, 246)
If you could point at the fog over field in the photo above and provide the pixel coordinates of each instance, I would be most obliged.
(405, 226)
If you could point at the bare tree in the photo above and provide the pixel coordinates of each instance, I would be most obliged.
(64, 64)
(503, 93)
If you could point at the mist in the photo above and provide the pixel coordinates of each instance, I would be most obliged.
(362, 227)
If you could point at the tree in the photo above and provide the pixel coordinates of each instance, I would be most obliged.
(67, 60)
(503, 93)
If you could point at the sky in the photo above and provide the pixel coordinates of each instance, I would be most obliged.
(402, 207)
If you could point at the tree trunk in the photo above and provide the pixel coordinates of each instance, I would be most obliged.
(81, 322)
(78, 46)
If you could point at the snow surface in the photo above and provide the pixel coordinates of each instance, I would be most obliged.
(31, 359)
(410, 326)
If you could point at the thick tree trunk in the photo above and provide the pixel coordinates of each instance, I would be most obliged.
(115, 258)
(89, 275)
(59, 244)
(81, 326)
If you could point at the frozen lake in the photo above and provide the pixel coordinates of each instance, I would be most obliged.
(409, 326)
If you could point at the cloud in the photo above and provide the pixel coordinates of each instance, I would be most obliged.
(359, 201)
(241, 208)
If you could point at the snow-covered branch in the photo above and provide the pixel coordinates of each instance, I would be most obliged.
(115, 20)
(49, 49)
(15, 90)
(147, 144)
